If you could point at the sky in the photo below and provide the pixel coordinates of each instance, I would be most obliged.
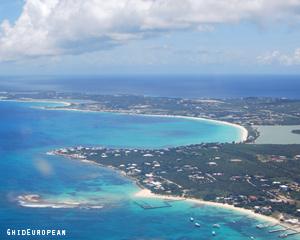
(62, 37)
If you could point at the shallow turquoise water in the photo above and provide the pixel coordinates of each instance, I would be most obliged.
(26, 134)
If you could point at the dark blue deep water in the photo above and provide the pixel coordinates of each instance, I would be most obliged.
(191, 86)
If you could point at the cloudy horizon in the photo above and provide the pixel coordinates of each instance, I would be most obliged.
(149, 36)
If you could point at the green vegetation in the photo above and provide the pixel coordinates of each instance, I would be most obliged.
(262, 177)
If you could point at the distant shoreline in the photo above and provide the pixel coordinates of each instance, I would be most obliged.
(36, 101)
(243, 130)
(243, 134)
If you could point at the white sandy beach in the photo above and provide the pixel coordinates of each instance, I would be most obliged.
(145, 193)
(243, 130)
(37, 101)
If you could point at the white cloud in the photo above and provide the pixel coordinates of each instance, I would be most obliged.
(277, 57)
(56, 27)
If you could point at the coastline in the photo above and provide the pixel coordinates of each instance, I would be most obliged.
(36, 101)
(146, 193)
(243, 131)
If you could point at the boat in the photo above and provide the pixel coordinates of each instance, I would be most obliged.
(216, 225)
(284, 235)
(197, 224)
(259, 226)
(192, 219)
(213, 233)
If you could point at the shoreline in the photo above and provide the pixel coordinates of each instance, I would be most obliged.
(243, 131)
(146, 193)
(37, 101)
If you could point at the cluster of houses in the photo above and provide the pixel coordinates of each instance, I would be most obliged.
(276, 158)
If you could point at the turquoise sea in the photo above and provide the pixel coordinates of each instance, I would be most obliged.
(27, 133)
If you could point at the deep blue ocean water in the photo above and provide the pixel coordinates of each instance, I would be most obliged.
(189, 86)
(27, 133)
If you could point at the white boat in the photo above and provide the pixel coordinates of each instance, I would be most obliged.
(284, 235)
(197, 224)
(213, 233)
(216, 225)
(192, 219)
